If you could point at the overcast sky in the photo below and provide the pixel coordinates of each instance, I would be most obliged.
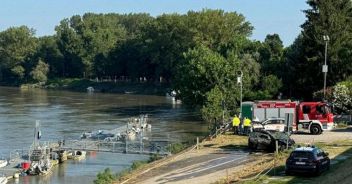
(283, 17)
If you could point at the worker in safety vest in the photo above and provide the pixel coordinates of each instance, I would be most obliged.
(235, 124)
(247, 125)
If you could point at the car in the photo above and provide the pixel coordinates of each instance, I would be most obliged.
(271, 124)
(265, 140)
(310, 160)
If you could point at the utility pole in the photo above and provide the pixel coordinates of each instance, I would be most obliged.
(239, 81)
(325, 66)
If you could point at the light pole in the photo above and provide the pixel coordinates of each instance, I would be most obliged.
(325, 66)
(239, 81)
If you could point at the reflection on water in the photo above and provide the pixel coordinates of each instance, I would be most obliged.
(67, 114)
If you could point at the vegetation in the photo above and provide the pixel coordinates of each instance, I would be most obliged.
(199, 54)
(107, 177)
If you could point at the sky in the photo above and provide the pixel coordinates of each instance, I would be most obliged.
(283, 17)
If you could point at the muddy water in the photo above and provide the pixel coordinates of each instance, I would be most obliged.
(67, 114)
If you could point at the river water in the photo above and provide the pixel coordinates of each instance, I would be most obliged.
(66, 115)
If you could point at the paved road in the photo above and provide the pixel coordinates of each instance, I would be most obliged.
(326, 136)
(205, 168)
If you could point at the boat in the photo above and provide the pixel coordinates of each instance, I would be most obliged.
(62, 156)
(90, 89)
(40, 161)
(3, 163)
(79, 155)
(3, 179)
(97, 135)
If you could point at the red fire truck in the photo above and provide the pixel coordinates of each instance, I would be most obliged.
(312, 116)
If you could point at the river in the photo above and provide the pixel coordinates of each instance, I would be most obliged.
(65, 114)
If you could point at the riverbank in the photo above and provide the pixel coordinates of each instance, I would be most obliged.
(106, 86)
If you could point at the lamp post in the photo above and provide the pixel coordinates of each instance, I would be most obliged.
(239, 81)
(325, 66)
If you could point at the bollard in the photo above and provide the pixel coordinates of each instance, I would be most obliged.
(276, 146)
(197, 143)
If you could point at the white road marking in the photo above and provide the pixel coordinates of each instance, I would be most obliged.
(207, 168)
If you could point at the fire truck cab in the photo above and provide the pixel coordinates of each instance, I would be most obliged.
(314, 116)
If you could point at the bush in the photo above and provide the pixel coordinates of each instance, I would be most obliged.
(137, 164)
(154, 157)
(106, 177)
(176, 148)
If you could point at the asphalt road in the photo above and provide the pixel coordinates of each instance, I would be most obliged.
(205, 168)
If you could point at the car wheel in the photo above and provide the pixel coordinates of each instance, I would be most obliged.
(250, 145)
(315, 129)
(317, 171)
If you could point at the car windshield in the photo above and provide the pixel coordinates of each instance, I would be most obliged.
(302, 154)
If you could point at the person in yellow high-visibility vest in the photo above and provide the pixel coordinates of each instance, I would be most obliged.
(247, 125)
(235, 124)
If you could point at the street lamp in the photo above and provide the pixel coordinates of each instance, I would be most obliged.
(325, 66)
(239, 81)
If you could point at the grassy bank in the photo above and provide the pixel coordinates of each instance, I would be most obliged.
(75, 84)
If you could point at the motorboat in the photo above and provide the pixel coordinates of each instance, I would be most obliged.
(3, 179)
(3, 163)
(79, 155)
(97, 135)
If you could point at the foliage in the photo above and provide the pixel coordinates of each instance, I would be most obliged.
(105, 177)
(306, 56)
(39, 73)
(138, 164)
(342, 98)
(176, 148)
(17, 46)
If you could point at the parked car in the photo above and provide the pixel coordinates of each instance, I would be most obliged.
(270, 124)
(311, 160)
(265, 140)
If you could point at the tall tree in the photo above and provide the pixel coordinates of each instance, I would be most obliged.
(17, 46)
(325, 17)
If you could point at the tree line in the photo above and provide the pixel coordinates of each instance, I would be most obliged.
(200, 54)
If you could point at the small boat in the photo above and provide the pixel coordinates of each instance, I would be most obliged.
(97, 135)
(90, 89)
(3, 179)
(79, 155)
(3, 163)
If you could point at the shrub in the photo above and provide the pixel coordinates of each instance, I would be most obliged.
(106, 177)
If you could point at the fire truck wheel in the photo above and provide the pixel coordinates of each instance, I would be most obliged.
(315, 129)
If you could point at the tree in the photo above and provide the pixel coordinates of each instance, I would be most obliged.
(328, 17)
(71, 46)
(48, 51)
(17, 46)
(342, 98)
(39, 73)
(271, 55)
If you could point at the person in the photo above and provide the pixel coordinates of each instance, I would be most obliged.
(235, 125)
(247, 125)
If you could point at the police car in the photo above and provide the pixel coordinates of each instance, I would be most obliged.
(307, 160)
